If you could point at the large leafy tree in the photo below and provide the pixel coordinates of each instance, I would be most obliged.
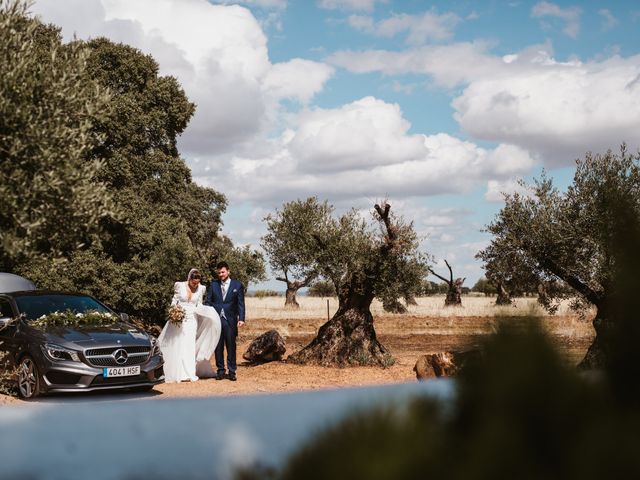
(53, 199)
(362, 263)
(572, 236)
(290, 243)
(167, 223)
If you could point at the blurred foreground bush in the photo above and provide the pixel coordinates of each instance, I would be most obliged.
(521, 413)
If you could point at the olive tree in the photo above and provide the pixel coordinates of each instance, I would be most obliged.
(506, 270)
(454, 287)
(290, 243)
(571, 236)
(362, 263)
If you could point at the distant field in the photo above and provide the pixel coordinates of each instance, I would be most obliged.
(472, 306)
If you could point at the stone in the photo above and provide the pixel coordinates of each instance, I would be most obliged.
(268, 347)
(443, 364)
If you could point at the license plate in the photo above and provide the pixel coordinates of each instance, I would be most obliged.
(120, 371)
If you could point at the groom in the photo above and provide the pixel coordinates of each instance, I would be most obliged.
(226, 295)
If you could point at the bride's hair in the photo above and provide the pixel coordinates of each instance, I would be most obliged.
(194, 273)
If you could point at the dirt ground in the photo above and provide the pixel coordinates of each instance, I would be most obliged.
(406, 336)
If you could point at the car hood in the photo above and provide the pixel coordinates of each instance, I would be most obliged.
(87, 337)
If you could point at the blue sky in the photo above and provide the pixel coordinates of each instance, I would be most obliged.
(438, 106)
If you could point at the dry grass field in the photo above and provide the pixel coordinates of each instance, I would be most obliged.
(472, 306)
(428, 327)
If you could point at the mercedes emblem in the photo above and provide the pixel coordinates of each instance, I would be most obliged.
(120, 356)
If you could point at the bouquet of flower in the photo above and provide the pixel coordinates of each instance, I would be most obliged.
(176, 314)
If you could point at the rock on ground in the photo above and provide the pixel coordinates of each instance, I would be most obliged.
(268, 347)
(443, 364)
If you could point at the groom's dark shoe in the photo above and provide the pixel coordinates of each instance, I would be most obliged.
(232, 377)
(220, 376)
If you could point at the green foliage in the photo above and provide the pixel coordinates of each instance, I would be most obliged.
(484, 286)
(518, 413)
(322, 288)
(306, 238)
(52, 198)
(291, 239)
(247, 265)
(568, 236)
(65, 155)
(430, 288)
(265, 293)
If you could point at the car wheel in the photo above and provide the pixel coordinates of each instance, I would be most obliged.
(28, 378)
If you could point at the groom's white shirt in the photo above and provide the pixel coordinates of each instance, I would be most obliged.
(225, 288)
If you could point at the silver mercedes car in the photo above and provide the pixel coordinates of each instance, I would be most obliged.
(71, 359)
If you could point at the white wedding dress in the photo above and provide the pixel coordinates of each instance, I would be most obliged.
(193, 341)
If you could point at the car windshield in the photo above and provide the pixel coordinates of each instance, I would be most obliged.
(34, 306)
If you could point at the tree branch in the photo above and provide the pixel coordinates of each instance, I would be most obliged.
(386, 220)
(450, 271)
(441, 278)
(587, 292)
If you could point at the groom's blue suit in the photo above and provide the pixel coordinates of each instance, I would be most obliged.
(231, 311)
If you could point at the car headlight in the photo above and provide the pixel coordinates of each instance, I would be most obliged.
(155, 345)
(56, 352)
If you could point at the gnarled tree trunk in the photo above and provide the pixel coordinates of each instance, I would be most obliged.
(349, 338)
(293, 286)
(453, 298)
(599, 353)
(454, 292)
(503, 296)
(290, 298)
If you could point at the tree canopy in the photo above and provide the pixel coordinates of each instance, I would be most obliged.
(53, 201)
(571, 236)
(362, 263)
(291, 245)
(96, 126)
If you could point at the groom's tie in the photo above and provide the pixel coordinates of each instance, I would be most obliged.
(224, 290)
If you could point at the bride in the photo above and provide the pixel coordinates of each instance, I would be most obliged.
(187, 347)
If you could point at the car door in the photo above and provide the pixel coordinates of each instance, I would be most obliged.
(8, 343)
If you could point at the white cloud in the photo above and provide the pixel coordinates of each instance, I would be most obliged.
(363, 134)
(428, 26)
(570, 16)
(297, 79)
(218, 53)
(449, 65)
(354, 5)
(360, 150)
(608, 20)
(559, 110)
(497, 189)
(276, 4)
(364, 23)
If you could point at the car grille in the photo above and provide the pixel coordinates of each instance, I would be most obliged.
(103, 357)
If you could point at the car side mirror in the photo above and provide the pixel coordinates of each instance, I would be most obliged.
(124, 317)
